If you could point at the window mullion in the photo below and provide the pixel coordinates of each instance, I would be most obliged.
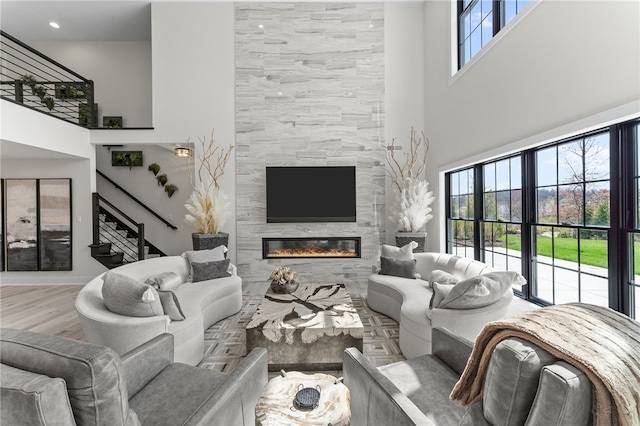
(528, 218)
(478, 212)
(497, 16)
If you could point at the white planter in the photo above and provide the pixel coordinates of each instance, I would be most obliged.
(404, 238)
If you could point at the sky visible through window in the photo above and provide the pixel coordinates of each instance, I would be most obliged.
(476, 23)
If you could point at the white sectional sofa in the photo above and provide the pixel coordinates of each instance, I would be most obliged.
(407, 301)
(203, 303)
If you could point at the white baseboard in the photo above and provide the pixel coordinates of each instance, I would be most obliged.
(41, 280)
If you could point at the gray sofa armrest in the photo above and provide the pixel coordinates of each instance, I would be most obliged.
(374, 398)
(234, 402)
(453, 350)
(146, 361)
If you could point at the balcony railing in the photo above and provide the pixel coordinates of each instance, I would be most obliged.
(29, 78)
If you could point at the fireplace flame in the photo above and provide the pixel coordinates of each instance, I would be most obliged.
(313, 251)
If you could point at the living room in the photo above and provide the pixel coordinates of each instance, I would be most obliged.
(555, 71)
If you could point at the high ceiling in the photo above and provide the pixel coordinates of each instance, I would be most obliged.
(78, 19)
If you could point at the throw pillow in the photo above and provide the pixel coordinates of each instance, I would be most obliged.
(171, 305)
(166, 281)
(127, 296)
(508, 278)
(201, 256)
(403, 253)
(475, 292)
(440, 291)
(512, 380)
(398, 267)
(442, 277)
(210, 270)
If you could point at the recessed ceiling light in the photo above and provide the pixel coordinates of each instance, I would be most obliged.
(260, 26)
(54, 25)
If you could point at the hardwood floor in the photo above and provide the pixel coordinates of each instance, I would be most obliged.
(48, 309)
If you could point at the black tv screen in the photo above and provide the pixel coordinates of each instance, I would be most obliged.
(311, 194)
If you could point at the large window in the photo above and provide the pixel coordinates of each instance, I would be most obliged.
(479, 21)
(461, 213)
(566, 215)
(502, 213)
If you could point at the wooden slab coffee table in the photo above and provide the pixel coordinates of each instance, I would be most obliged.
(308, 329)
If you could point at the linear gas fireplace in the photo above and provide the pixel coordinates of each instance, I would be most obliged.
(330, 247)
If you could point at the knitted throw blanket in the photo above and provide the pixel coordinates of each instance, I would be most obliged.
(602, 343)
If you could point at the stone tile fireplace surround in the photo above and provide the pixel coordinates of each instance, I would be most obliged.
(309, 92)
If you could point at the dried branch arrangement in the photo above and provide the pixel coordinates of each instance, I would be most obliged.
(415, 162)
(211, 152)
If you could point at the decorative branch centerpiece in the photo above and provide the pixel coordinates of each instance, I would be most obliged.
(283, 280)
(412, 211)
(208, 205)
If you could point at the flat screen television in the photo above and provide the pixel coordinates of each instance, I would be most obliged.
(311, 194)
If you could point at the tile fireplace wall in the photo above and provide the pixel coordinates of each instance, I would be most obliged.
(309, 92)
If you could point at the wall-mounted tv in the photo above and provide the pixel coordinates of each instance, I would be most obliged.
(311, 194)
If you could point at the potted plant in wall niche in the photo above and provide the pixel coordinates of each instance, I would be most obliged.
(208, 206)
(412, 210)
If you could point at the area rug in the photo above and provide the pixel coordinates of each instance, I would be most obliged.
(225, 347)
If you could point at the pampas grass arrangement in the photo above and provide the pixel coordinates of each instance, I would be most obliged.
(208, 205)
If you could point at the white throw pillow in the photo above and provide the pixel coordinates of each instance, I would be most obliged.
(442, 277)
(165, 281)
(440, 291)
(401, 253)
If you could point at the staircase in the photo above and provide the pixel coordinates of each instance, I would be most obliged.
(115, 242)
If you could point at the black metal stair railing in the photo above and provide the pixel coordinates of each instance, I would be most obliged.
(32, 79)
(140, 203)
(117, 238)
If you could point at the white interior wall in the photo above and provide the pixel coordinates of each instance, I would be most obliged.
(404, 83)
(120, 71)
(84, 266)
(142, 184)
(556, 66)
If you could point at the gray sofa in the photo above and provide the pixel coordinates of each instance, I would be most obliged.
(51, 380)
(525, 385)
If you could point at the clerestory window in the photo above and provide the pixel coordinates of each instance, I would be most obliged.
(479, 21)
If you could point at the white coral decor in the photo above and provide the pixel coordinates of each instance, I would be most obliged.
(413, 211)
(207, 207)
(283, 275)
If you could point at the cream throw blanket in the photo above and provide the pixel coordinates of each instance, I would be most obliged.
(599, 341)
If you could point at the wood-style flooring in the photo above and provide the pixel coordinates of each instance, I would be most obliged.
(48, 309)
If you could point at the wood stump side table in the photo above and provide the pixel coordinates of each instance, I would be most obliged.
(276, 404)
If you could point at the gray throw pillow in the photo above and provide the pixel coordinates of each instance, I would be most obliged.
(476, 292)
(512, 380)
(171, 305)
(126, 296)
(201, 256)
(442, 277)
(210, 270)
(166, 281)
(397, 267)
